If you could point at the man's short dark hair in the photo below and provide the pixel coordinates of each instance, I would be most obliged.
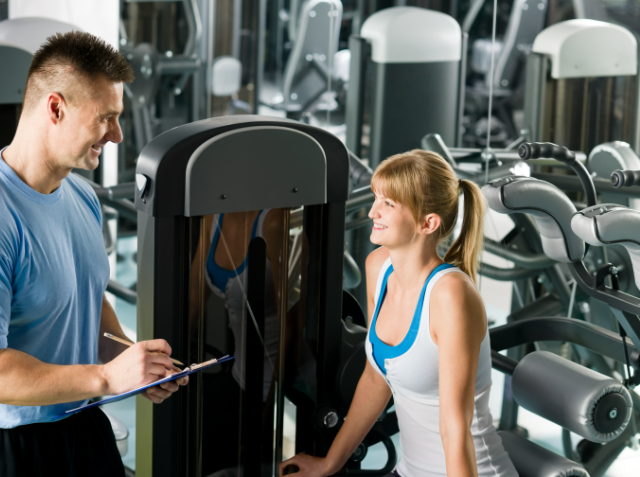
(65, 60)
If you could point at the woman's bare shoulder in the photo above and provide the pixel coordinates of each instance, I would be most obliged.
(456, 294)
(456, 284)
(375, 260)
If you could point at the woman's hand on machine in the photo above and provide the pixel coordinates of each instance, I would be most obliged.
(141, 364)
(303, 465)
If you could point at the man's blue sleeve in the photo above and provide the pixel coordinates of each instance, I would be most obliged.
(5, 299)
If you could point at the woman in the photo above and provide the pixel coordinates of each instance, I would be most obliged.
(428, 343)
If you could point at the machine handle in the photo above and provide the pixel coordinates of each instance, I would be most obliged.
(391, 457)
(625, 178)
(537, 150)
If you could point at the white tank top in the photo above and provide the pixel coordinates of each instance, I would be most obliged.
(413, 379)
(234, 300)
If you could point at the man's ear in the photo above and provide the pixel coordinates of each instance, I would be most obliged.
(55, 107)
(429, 224)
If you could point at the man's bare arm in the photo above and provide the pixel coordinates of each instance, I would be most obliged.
(108, 349)
(27, 381)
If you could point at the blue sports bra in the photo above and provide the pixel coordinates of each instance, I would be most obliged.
(382, 351)
(219, 276)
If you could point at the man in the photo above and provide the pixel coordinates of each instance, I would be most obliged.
(54, 271)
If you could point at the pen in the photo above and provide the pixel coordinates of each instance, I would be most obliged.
(128, 343)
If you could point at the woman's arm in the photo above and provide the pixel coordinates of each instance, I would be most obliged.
(369, 400)
(458, 326)
(371, 397)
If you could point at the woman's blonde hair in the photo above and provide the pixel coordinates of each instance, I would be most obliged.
(425, 183)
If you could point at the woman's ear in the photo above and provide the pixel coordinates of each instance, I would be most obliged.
(429, 224)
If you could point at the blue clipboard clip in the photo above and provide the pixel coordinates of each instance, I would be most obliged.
(194, 368)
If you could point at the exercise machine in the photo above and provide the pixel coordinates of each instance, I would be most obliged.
(581, 85)
(563, 231)
(407, 61)
(184, 177)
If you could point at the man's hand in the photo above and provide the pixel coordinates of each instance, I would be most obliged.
(139, 365)
(157, 394)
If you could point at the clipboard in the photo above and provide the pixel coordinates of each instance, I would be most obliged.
(194, 368)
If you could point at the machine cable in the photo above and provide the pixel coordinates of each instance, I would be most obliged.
(629, 379)
(487, 155)
(244, 294)
(624, 178)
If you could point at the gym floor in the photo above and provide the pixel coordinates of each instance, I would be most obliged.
(497, 298)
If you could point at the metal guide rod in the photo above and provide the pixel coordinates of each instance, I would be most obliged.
(491, 73)
(283, 298)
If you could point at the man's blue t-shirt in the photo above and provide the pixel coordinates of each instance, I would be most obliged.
(53, 273)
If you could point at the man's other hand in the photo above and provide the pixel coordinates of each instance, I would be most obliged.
(157, 394)
(139, 365)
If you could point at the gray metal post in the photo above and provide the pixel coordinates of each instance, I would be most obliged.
(534, 110)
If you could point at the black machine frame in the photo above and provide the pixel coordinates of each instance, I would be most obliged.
(170, 435)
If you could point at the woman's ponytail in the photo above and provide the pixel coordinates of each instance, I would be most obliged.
(466, 249)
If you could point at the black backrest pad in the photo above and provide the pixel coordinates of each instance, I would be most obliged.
(279, 167)
(259, 163)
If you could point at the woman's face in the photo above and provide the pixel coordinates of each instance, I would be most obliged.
(393, 224)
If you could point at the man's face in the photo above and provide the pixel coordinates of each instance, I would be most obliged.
(89, 124)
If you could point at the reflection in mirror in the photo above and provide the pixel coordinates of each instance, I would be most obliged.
(243, 402)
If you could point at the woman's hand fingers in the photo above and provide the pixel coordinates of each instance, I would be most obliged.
(286, 464)
(303, 465)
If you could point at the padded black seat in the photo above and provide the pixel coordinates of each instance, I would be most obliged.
(607, 224)
(550, 208)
